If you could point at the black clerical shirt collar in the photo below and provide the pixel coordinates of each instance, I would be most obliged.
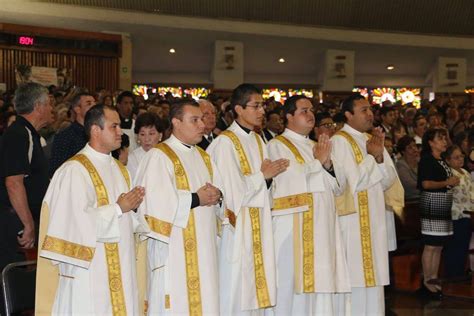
(244, 128)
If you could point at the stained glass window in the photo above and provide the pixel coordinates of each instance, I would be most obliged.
(176, 92)
(379, 95)
(278, 94)
(409, 95)
(197, 93)
(308, 93)
(142, 90)
(363, 91)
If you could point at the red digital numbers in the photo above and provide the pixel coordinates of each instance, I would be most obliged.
(26, 40)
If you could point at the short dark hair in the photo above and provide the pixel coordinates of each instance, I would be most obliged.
(404, 142)
(447, 154)
(290, 106)
(339, 117)
(95, 116)
(417, 118)
(177, 108)
(273, 112)
(125, 94)
(241, 96)
(76, 100)
(348, 103)
(125, 143)
(148, 119)
(384, 110)
(321, 116)
(430, 135)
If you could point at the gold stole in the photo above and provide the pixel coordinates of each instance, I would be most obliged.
(263, 297)
(189, 233)
(308, 228)
(63, 247)
(364, 217)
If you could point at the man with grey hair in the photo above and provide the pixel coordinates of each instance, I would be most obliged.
(23, 172)
(209, 118)
(72, 139)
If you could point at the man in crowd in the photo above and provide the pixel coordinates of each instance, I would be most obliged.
(125, 104)
(273, 125)
(324, 125)
(387, 115)
(364, 169)
(420, 127)
(209, 118)
(90, 234)
(246, 262)
(311, 266)
(69, 141)
(23, 172)
(181, 207)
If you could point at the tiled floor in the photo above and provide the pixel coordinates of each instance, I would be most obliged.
(412, 304)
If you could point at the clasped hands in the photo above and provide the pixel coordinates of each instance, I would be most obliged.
(209, 195)
(132, 199)
(322, 151)
(375, 144)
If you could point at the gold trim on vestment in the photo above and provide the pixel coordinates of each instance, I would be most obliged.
(263, 297)
(158, 226)
(117, 297)
(364, 219)
(308, 223)
(193, 280)
(68, 249)
(291, 201)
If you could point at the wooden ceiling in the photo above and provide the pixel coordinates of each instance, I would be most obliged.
(437, 17)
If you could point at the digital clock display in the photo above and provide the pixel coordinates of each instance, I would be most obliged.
(26, 40)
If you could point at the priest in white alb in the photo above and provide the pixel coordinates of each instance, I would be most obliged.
(246, 254)
(89, 234)
(182, 208)
(364, 169)
(311, 264)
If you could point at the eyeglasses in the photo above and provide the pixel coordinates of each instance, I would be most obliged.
(257, 106)
(328, 125)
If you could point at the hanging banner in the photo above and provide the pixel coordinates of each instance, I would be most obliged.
(45, 76)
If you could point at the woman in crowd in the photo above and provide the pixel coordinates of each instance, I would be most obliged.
(407, 166)
(435, 180)
(457, 248)
(121, 154)
(150, 131)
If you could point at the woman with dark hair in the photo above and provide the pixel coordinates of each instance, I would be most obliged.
(457, 249)
(150, 131)
(121, 154)
(407, 166)
(435, 180)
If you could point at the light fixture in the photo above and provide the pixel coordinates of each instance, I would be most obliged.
(172, 51)
(390, 67)
(281, 60)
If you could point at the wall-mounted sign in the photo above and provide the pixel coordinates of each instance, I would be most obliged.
(26, 40)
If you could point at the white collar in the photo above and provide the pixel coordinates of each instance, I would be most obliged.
(294, 135)
(97, 155)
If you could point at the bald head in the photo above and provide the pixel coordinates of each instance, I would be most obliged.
(208, 115)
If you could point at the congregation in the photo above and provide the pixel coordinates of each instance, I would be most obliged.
(243, 205)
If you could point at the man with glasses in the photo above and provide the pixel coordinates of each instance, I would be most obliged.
(324, 125)
(311, 266)
(246, 257)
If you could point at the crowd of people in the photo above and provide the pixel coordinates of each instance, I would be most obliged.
(247, 205)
